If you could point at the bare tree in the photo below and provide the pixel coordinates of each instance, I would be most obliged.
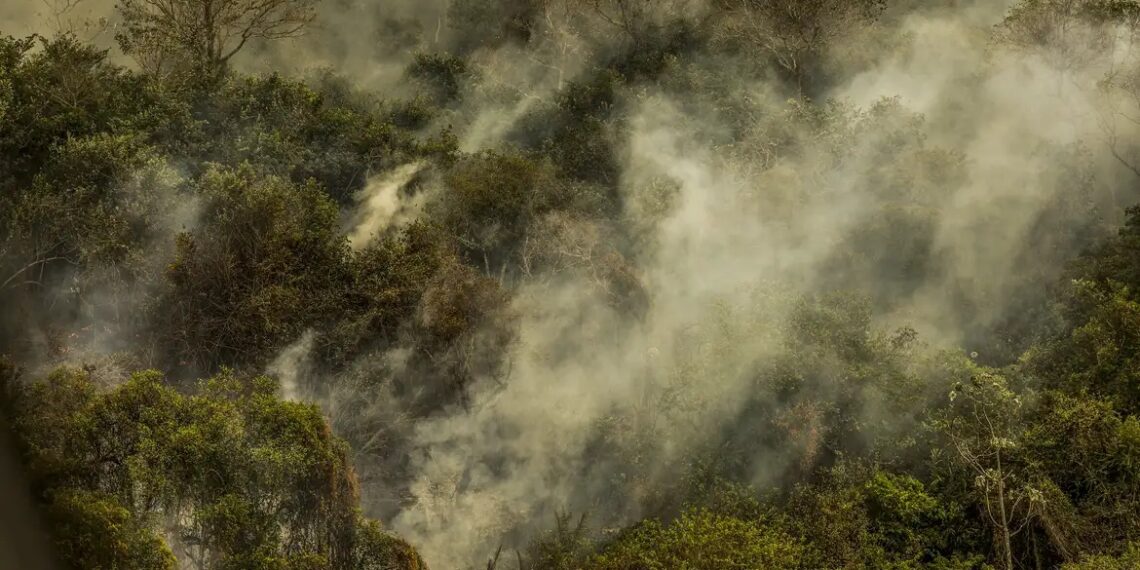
(1120, 89)
(560, 39)
(635, 19)
(629, 16)
(1080, 40)
(31, 272)
(794, 33)
(1071, 36)
(205, 33)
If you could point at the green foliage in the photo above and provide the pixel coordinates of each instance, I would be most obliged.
(573, 129)
(236, 476)
(491, 199)
(98, 200)
(495, 199)
(441, 73)
(490, 23)
(287, 128)
(266, 262)
(95, 531)
(1131, 559)
(66, 89)
(1096, 352)
(699, 540)
(860, 518)
(388, 281)
(565, 547)
(378, 550)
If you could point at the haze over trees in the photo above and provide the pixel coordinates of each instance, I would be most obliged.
(574, 284)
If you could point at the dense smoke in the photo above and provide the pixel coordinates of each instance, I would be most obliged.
(382, 206)
(735, 237)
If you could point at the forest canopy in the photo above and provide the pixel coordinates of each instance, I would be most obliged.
(572, 284)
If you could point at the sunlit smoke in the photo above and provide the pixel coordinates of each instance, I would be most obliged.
(381, 204)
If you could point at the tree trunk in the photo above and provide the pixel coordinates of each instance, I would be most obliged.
(1004, 516)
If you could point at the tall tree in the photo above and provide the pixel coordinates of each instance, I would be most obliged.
(984, 428)
(794, 33)
(205, 34)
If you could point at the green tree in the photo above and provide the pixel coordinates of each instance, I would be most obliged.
(699, 540)
(985, 428)
(267, 262)
(1131, 559)
(236, 477)
(95, 531)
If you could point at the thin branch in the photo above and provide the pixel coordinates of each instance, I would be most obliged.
(32, 265)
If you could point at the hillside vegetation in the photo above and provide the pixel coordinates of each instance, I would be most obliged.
(574, 284)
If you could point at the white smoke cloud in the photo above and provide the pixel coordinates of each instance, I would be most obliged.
(292, 366)
(736, 243)
(381, 206)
